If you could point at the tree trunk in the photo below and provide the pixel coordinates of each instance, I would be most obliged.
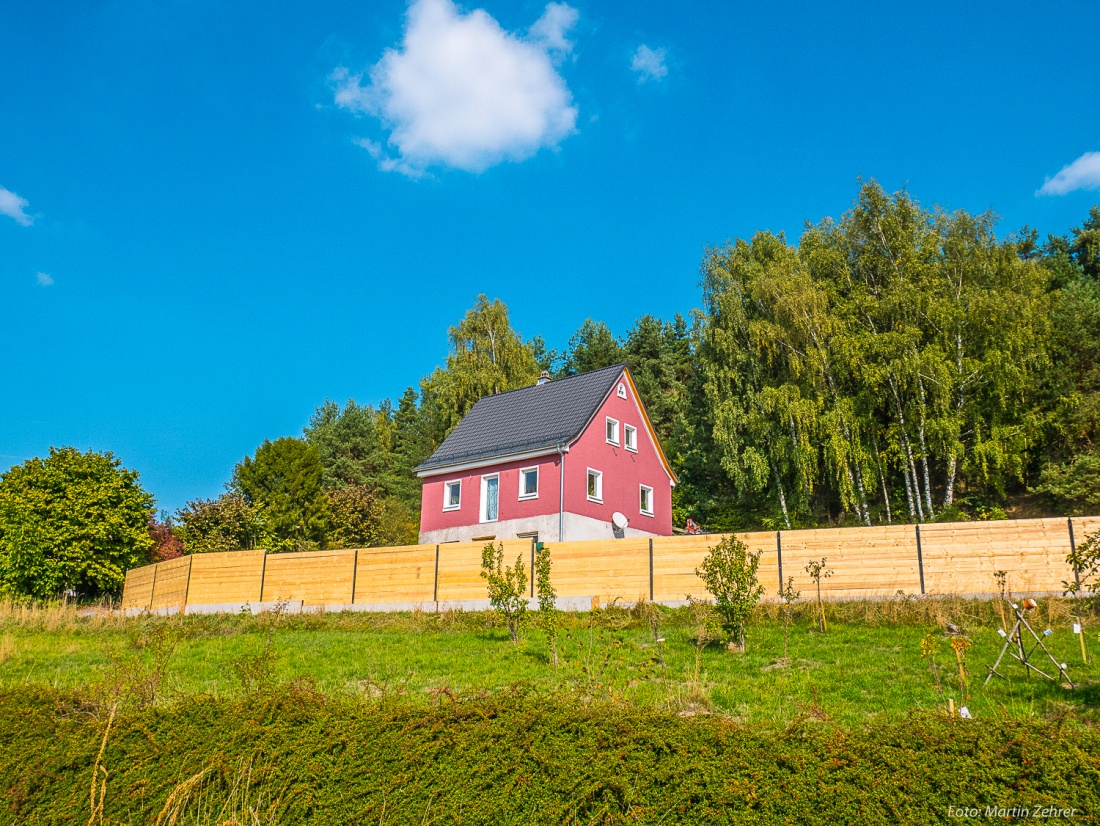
(885, 493)
(949, 492)
(782, 499)
(863, 497)
(908, 450)
(924, 454)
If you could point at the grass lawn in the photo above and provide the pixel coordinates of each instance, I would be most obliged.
(867, 665)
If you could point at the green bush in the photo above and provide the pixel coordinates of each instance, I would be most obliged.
(523, 758)
(729, 572)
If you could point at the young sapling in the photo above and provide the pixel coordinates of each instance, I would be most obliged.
(818, 572)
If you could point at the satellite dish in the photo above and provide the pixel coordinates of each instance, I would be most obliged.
(619, 521)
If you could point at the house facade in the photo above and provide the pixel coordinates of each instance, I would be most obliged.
(570, 459)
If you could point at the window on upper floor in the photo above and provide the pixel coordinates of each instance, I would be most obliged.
(630, 437)
(595, 486)
(645, 500)
(452, 495)
(612, 431)
(622, 390)
(529, 483)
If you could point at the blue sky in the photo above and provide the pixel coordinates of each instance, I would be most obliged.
(214, 216)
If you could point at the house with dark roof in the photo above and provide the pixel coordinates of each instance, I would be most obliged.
(564, 460)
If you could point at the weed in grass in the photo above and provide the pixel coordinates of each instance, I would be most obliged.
(256, 672)
(135, 676)
(929, 647)
(959, 646)
(549, 615)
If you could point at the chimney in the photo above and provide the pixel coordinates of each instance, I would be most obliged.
(544, 377)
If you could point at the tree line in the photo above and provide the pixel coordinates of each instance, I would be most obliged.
(898, 364)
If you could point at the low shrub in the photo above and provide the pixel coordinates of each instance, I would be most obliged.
(295, 756)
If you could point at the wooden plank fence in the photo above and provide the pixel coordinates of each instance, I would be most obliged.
(945, 558)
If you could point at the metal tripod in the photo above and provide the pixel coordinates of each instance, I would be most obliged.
(1014, 645)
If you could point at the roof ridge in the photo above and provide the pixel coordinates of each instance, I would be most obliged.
(620, 365)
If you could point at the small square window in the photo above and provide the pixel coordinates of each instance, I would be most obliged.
(630, 437)
(645, 503)
(595, 485)
(612, 431)
(452, 496)
(529, 483)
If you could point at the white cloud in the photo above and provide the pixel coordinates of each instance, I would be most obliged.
(460, 91)
(552, 28)
(649, 63)
(14, 207)
(1083, 173)
(44, 279)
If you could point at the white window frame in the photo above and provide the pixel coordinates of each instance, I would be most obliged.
(622, 390)
(446, 489)
(643, 511)
(523, 470)
(599, 485)
(629, 443)
(482, 515)
(615, 422)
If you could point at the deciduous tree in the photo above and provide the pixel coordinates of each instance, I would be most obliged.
(71, 521)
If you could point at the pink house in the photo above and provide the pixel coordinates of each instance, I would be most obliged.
(562, 460)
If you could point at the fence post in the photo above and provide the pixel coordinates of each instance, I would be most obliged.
(651, 569)
(779, 555)
(354, 574)
(263, 574)
(435, 580)
(920, 561)
(532, 567)
(153, 587)
(187, 585)
(1073, 549)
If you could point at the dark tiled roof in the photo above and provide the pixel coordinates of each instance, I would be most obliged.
(531, 418)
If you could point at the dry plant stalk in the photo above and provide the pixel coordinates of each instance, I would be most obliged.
(1002, 579)
(959, 645)
(98, 797)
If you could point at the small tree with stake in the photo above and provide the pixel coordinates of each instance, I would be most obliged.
(788, 595)
(818, 572)
(548, 610)
(507, 587)
(729, 572)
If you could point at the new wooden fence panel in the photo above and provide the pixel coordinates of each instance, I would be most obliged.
(961, 557)
(137, 592)
(865, 562)
(1083, 526)
(611, 569)
(314, 577)
(228, 577)
(460, 567)
(403, 574)
(170, 590)
(675, 559)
